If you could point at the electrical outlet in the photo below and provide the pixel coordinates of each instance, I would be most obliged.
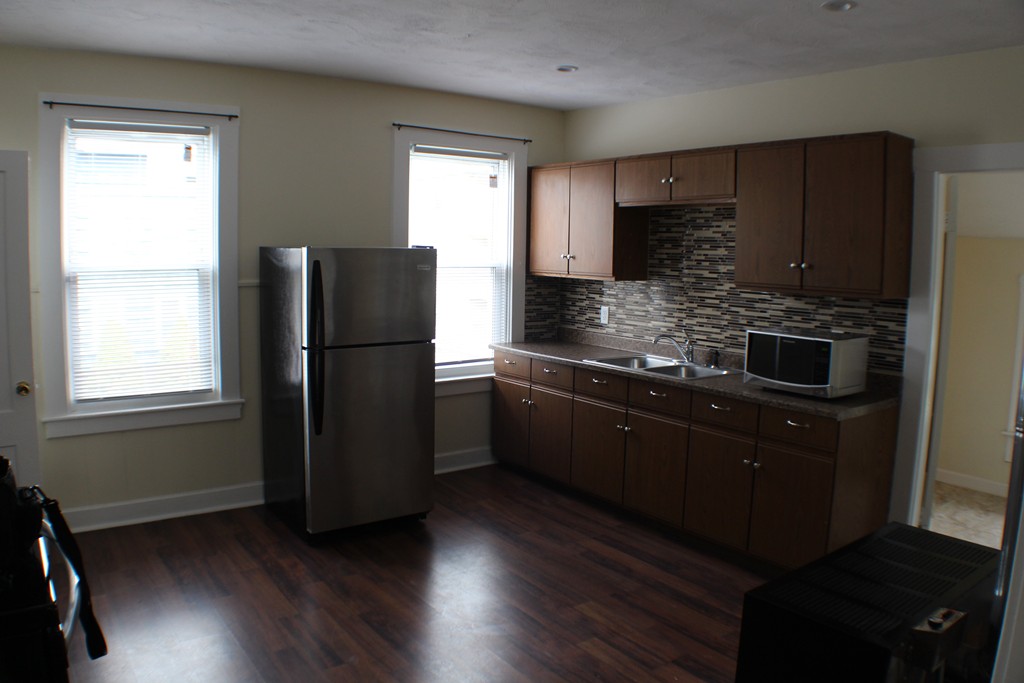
(604, 315)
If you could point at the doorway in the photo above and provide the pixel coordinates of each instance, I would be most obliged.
(923, 316)
(981, 339)
(17, 400)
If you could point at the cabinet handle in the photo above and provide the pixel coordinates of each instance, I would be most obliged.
(509, 362)
(624, 428)
(798, 425)
(655, 394)
(564, 256)
(598, 381)
(550, 372)
(748, 462)
(794, 265)
(805, 266)
(725, 409)
(671, 180)
(664, 180)
(756, 465)
(571, 257)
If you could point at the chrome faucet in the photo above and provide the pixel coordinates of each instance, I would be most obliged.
(686, 350)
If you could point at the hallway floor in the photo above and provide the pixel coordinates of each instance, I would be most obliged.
(969, 515)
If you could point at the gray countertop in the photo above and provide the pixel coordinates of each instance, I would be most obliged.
(882, 392)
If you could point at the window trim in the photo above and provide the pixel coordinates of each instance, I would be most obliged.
(59, 417)
(405, 137)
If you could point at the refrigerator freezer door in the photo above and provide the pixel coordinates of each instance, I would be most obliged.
(374, 457)
(374, 296)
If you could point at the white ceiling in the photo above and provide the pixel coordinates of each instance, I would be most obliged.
(509, 49)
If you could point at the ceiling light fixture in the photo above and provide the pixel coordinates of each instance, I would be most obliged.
(838, 5)
(568, 68)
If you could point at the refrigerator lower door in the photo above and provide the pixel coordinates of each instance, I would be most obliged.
(374, 456)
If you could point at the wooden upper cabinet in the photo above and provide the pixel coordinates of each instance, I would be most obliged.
(577, 231)
(769, 216)
(680, 178)
(592, 220)
(844, 215)
(644, 180)
(826, 216)
(704, 175)
(549, 220)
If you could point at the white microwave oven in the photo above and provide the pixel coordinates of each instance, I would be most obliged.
(823, 365)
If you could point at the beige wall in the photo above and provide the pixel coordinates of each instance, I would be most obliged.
(964, 100)
(315, 169)
(315, 158)
(982, 351)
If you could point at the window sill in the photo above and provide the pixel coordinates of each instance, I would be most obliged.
(142, 418)
(457, 386)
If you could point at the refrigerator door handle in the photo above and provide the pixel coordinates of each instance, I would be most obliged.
(316, 348)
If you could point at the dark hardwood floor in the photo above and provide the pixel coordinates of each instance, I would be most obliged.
(506, 580)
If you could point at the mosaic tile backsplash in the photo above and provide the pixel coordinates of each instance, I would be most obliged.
(689, 293)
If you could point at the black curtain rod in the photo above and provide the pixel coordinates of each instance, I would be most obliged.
(525, 141)
(53, 103)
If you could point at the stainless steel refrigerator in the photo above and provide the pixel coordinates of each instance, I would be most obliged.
(347, 369)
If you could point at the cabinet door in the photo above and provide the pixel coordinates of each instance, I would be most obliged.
(598, 448)
(844, 227)
(510, 422)
(550, 433)
(592, 220)
(655, 475)
(708, 175)
(769, 216)
(719, 480)
(549, 220)
(792, 503)
(643, 180)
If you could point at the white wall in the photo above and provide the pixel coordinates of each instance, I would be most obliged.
(315, 169)
(968, 99)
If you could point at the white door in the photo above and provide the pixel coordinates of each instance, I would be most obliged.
(17, 388)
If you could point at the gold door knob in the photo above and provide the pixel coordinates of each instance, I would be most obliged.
(23, 388)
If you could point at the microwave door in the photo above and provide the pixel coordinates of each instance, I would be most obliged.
(796, 361)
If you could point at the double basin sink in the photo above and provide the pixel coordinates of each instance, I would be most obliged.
(658, 365)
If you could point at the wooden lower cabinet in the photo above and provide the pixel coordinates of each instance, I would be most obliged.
(719, 482)
(655, 473)
(598, 448)
(781, 485)
(550, 438)
(530, 428)
(789, 517)
(510, 422)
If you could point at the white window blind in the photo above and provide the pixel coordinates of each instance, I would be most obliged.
(139, 245)
(460, 203)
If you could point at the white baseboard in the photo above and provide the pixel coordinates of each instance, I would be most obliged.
(967, 481)
(462, 460)
(92, 517)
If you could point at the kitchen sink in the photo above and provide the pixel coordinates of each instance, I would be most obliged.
(688, 371)
(659, 365)
(633, 362)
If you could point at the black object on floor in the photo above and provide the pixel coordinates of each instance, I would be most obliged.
(903, 604)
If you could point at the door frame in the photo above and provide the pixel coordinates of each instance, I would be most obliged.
(921, 352)
(14, 166)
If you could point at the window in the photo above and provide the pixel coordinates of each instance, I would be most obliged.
(463, 195)
(141, 284)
